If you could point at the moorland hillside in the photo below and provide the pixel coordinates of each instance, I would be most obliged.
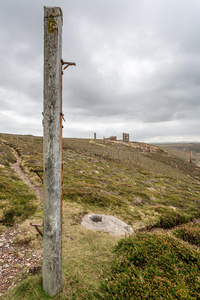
(155, 191)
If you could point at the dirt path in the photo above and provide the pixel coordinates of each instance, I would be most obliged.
(17, 168)
(17, 259)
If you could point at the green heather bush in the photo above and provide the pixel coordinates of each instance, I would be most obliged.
(150, 266)
(8, 217)
(189, 233)
(170, 218)
(18, 212)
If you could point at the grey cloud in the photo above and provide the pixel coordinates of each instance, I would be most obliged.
(137, 63)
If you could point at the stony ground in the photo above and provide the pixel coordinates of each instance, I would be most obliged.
(17, 261)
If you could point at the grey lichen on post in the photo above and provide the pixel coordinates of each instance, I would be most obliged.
(52, 252)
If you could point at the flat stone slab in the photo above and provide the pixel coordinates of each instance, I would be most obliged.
(106, 223)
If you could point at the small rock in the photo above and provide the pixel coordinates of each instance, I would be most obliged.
(1, 244)
(6, 266)
(35, 270)
(106, 223)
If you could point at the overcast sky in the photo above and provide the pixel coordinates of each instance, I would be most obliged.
(138, 68)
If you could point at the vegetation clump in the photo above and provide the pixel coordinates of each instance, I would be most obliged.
(170, 218)
(150, 266)
(189, 233)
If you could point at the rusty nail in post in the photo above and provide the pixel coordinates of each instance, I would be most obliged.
(36, 226)
(37, 172)
(67, 64)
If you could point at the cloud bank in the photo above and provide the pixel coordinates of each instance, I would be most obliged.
(138, 68)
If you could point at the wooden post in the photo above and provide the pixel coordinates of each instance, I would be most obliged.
(95, 136)
(52, 252)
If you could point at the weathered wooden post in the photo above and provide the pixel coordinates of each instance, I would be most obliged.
(52, 253)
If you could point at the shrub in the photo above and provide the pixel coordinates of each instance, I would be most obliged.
(18, 212)
(189, 234)
(150, 266)
(170, 218)
(8, 217)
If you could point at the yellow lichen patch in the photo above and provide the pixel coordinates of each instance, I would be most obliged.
(52, 26)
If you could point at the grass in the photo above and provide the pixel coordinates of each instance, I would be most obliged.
(119, 178)
(114, 184)
(31, 286)
(86, 256)
(137, 183)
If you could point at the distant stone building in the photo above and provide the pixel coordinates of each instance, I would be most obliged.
(125, 137)
(113, 138)
(193, 160)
